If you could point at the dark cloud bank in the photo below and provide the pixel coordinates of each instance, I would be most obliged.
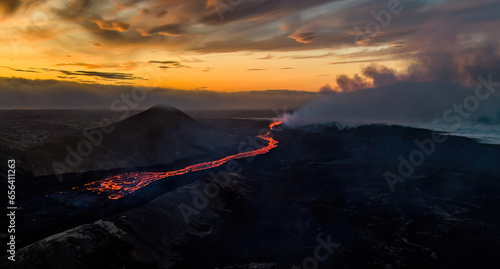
(18, 93)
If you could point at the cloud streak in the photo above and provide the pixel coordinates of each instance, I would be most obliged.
(104, 75)
(169, 64)
(173, 29)
(303, 37)
(112, 25)
(21, 70)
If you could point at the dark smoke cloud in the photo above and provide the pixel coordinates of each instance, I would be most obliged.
(435, 80)
(347, 84)
(381, 75)
(461, 64)
(373, 75)
(326, 88)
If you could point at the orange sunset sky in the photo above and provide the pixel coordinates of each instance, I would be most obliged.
(233, 45)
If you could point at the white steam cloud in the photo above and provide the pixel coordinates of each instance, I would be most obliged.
(443, 106)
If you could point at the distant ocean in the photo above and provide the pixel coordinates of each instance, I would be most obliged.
(481, 132)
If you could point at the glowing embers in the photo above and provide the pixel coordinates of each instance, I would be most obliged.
(118, 186)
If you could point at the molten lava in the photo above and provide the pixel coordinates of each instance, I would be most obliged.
(121, 185)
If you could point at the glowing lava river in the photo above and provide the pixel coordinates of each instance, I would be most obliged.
(118, 186)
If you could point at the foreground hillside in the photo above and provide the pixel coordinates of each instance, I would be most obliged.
(321, 188)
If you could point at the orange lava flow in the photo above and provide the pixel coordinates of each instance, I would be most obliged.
(118, 186)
